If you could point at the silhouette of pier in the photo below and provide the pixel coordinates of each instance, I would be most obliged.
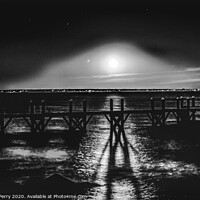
(37, 114)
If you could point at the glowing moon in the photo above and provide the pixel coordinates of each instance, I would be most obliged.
(113, 63)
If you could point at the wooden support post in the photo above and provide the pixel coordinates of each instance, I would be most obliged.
(32, 112)
(122, 121)
(84, 116)
(193, 105)
(152, 111)
(42, 117)
(182, 112)
(178, 109)
(70, 114)
(122, 105)
(111, 121)
(178, 103)
(193, 101)
(188, 103)
(182, 102)
(163, 110)
(188, 109)
(1, 118)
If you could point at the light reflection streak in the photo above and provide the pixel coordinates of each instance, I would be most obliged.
(169, 168)
(119, 168)
(49, 154)
(130, 169)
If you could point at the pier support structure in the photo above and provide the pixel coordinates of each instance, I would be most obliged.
(37, 117)
(158, 117)
(77, 121)
(117, 121)
(185, 111)
(4, 121)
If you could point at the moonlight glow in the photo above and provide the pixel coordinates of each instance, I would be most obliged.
(113, 64)
(110, 65)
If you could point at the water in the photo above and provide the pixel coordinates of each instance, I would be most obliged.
(143, 168)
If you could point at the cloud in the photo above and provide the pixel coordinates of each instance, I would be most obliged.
(125, 75)
(105, 76)
(181, 81)
(193, 69)
(115, 75)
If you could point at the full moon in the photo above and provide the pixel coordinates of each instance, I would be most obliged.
(113, 63)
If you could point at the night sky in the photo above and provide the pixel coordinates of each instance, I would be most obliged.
(99, 44)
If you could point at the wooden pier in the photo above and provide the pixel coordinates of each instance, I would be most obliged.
(37, 117)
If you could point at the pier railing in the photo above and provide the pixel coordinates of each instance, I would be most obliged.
(77, 115)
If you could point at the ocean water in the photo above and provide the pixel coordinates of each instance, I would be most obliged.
(141, 168)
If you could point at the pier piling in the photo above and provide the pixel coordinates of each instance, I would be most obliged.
(32, 116)
(42, 120)
(193, 112)
(182, 102)
(1, 118)
(84, 115)
(163, 111)
(70, 114)
(152, 114)
(122, 118)
(111, 120)
(178, 110)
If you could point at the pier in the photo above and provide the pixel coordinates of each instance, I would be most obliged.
(38, 114)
